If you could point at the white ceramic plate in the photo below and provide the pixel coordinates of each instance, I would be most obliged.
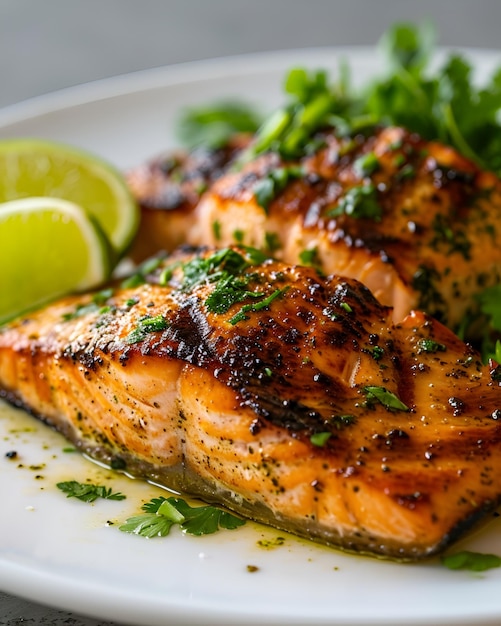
(63, 553)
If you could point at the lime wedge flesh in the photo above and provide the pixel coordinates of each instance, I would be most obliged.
(33, 167)
(48, 247)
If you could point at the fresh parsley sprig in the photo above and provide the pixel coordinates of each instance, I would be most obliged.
(471, 561)
(87, 492)
(359, 202)
(213, 126)
(443, 103)
(387, 398)
(145, 326)
(163, 513)
(226, 269)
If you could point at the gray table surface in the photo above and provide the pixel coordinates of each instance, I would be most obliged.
(52, 44)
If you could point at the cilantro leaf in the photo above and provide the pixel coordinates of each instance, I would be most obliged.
(228, 291)
(490, 304)
(87, 492)
(442, 104)
(320, 439)
(387, 398)
(430, 345)
(204, 520)
(210, 269)
(148, 525)
(98, 300)
(472, 561)
(366, 164)
(257, 306)
(145, 326)
(310, 258)
(407, 45)
(140, 276)
(267, 188)
(213, 126)
(226, 268)
(359, 202)
(153, 505)
(162, 513)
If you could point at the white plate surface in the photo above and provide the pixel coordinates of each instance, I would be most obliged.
(63, 553)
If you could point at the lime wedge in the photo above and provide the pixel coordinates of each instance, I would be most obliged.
(48, 247)
(33, 167)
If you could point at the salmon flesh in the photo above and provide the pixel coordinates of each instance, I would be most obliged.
(415, 221)
(291, 398)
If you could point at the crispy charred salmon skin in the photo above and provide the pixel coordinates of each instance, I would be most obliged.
(413, 220)
(291, 398)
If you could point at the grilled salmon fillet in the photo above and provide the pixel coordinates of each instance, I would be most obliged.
(291, 398)
(413, 220)
(168, 188)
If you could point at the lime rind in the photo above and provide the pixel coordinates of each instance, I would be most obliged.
(37, 167)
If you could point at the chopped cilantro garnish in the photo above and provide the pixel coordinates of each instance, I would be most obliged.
(490, 304)
(239, 235)
(166, 274)
(222, 263)
(204, 520)
(359, 202)
(272, 242)
(290, 130)
(444, 103)
(472, 561)
(162, 513)
(140, 275)
(308, 257)
(497, 352)
(440, 103)
(213, 126)
(87, 492)
(216, 229)
(145, 326)
(367, 164)
(311, 258)
(454, 238)
(376, 352)
(98, 299)
(429, 345)
(226, 268)
(387, 398)
(425, 281)
(257, 306)
(320, 439)
(228, 291)
(80, 310)
(267, 188)
(407, 172)
(341, 421)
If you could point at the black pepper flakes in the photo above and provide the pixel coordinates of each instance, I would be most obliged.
(457, 404)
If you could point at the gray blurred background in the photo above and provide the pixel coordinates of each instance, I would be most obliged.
(46, 45)
(49, 44)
